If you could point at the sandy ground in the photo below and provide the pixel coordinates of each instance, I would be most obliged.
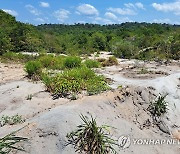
(48, 121)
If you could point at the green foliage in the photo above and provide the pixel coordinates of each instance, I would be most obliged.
(16, 119)
(16, 57)
(8, 143)
(33, 69)
(71, 62)
(159, 107)
(73, 81)
(90, 138)
(124, 40)
(91, 63)
(110, 61)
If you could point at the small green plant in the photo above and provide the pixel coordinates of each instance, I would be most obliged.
(92, 63)
(29, 97)
(159, 107)
(143, 71)
(72, 62)
(11, 120)
(110, 61)
(33, 69)
(120, 87)
(73, 96)
(8, 143)
(90, 138)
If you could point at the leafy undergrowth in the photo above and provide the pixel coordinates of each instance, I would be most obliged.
(90, 138)
(74, 81)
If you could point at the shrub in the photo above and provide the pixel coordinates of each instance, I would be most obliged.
(33, 69)
(101, 60)
(11, 120)
(91, 63)
(72, 61)
(110, 61)
(90, 138)
(8, 142)
(73, 81)
(159, 107)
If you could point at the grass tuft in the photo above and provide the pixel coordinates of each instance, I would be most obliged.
(90, 138)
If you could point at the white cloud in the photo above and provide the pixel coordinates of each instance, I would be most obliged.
(40, 20)
(139, 5)
(12, 12)
(135, 6)
(168, 7)
(33, 10)
(124, 11)
(87, 9)
(44, 4)
(61, 15)
(110, 15)
(129, 5)
(100, 20)
(162, 20)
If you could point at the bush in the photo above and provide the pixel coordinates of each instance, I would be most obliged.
(159, 107)
(92, 63)
(72, 61)
(33, 69)
(74, 81)
(90, 138)
(110, 61)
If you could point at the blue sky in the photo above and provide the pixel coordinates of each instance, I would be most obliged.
(93, 11)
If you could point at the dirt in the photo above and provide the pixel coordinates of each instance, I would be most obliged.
(124, 108)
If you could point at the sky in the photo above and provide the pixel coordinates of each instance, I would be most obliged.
(93, 11)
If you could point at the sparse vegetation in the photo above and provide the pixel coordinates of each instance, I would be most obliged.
(90, 138)
(13, 120)
(159, 107)
(92, 63)
(8, 143)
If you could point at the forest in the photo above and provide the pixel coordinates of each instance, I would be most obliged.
(127, 40)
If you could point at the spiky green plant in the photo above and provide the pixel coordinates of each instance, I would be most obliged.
(91, 139)
(159, 107)
(8, 143)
